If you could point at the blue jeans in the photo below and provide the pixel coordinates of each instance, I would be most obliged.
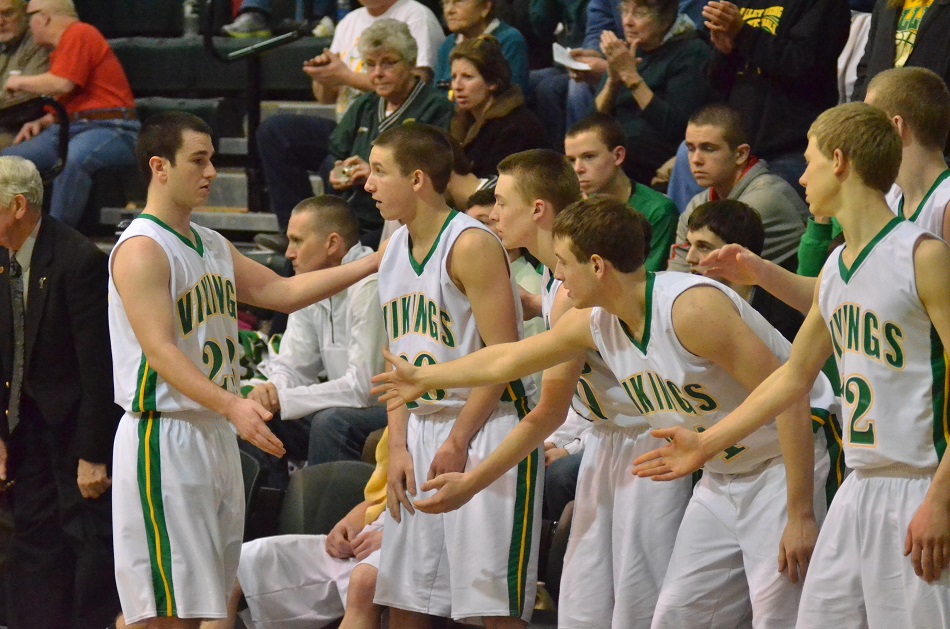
(93, 145)
(559, 101)
(338, 434)
(294, 434)
(290, 146)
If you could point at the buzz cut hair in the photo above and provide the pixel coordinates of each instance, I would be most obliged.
(543, 174)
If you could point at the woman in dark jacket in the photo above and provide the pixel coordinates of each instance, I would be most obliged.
(655, 81)
(491, 119)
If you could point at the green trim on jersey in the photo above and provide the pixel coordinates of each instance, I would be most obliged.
(845, 272)
(648, 319)
(156, 530)
(147, 380)
(419, 267)
(550, 280)
(514, 391)
(197, 246)
(940, 393)
(821, 419)
(519, 552)
(920, 206)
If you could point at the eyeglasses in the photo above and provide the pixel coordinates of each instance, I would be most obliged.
(384, 65)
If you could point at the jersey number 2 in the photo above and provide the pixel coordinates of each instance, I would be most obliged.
(858, 394)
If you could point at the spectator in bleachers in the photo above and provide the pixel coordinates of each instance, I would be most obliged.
(654, 81)
(721, 161)
(470, 18)
(339, 339)
(291, 145)
(595, 147)
(87, 78)
(491, 119)
(716, 224)
(463, 183)
(905, 33)
(776, 61)
(19, 54)
(338, 73)
(561, 98)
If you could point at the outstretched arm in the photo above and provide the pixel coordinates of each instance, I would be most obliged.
(141, 274)
(557, 388)
(567, 340)
(737, 264)
(259, 286)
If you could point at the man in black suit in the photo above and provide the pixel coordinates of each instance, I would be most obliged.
(59, 418)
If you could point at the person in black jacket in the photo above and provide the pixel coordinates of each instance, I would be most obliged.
(59, 418)
(491, 119)
(929, 48)
(776, 62)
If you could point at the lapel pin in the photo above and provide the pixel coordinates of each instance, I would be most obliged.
(42, 281)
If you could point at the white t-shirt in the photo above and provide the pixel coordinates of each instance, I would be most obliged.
(423, 25)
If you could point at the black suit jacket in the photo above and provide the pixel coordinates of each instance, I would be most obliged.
(68, 361)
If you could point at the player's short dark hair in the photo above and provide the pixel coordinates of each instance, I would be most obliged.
(731, 220)
(331, 214)
(543, 174)
(483, 197)
(726, 118)
(605, 226)
(607, 128)
(419, 146)
(161, 136)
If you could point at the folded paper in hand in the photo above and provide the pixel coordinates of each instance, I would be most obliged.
(563, 56)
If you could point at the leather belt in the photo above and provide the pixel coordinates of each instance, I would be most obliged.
(119, 113)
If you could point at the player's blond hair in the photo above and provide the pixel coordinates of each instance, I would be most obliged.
(920, 97)
(865, 136)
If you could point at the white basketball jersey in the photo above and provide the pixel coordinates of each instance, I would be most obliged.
(205, 311)
(929, 214)
(599, 396)
(672, 387)
(428, 319)
(893, 367)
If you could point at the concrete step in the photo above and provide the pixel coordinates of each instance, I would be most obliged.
(230, 188)
(229, 219)
(238, 146)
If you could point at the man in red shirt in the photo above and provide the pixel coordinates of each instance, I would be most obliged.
(86, 77)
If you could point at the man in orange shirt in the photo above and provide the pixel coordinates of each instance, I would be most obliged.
(86, 77)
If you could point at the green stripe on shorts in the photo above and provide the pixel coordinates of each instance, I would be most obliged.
(519, 553)
(150, 492)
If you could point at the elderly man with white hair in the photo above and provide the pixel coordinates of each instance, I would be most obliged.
(57, 418)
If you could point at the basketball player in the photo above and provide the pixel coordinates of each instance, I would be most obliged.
(882, 307)
(623, 529)
(178, 500)
(446, 291)
(653, 331)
